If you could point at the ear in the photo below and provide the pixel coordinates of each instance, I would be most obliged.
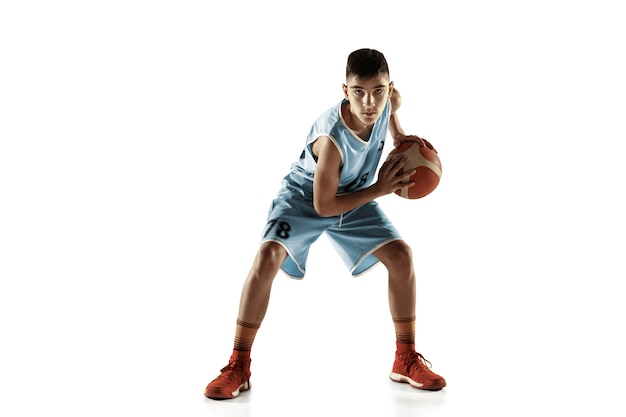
(390, 89)
(345, 90)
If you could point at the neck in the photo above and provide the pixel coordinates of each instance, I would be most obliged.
(361, 130)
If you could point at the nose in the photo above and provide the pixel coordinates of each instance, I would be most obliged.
(368, 100)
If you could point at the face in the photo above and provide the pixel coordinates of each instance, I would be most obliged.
(367, 97)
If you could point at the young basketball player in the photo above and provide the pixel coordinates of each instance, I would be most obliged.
(331, 189)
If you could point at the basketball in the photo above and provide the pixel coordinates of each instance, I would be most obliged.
(427, 167)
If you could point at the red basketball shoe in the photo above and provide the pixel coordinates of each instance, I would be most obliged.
(234, 378)
(411, 367)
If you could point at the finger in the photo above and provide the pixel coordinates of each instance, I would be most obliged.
(399, 161)
(406, 176)
(430, 145)
(403, 185)
(398, 167)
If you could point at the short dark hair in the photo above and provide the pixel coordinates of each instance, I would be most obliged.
(366, 63)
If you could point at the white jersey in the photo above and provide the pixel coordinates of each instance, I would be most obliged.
(360, 158)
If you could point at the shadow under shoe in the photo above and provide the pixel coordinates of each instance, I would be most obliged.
(234, 378)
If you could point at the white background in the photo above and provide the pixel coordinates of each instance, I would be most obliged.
(142, 142)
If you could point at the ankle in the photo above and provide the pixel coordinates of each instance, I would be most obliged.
(404, 347)
(240, 354)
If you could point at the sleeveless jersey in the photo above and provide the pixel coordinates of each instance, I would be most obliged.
(359, 157)
(292, 220)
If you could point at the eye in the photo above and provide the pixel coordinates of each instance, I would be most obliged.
(358, 92)
(379, 91)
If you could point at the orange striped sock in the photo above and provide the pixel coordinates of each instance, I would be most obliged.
(245, 333)
(405, 330)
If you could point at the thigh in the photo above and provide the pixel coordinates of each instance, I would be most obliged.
(295, 225)
(360, 233)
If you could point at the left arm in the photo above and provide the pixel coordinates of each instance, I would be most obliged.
(395, 129)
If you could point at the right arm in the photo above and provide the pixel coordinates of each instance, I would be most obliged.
(326, 200)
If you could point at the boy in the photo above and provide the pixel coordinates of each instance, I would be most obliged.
(331, 189)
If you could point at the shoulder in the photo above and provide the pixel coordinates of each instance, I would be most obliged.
(325, 148)
(332, 113)
(326, 123)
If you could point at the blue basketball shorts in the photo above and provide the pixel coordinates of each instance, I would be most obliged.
(293, 223)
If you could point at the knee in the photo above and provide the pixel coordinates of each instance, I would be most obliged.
(269, 259)
(403, 254)
(399, 258)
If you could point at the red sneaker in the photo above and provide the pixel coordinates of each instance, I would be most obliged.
(234, 378)
(411, 367)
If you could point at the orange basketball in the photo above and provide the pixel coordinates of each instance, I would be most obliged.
(427, 167)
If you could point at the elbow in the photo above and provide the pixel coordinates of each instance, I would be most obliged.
(322, 210)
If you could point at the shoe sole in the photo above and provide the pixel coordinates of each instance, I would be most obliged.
(434, 386)
(219, 394)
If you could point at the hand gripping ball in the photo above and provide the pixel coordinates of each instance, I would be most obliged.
(427, 167)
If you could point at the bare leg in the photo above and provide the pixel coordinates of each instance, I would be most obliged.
(397, 258)
(255, 294)
(255, 297)
(409, 366)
